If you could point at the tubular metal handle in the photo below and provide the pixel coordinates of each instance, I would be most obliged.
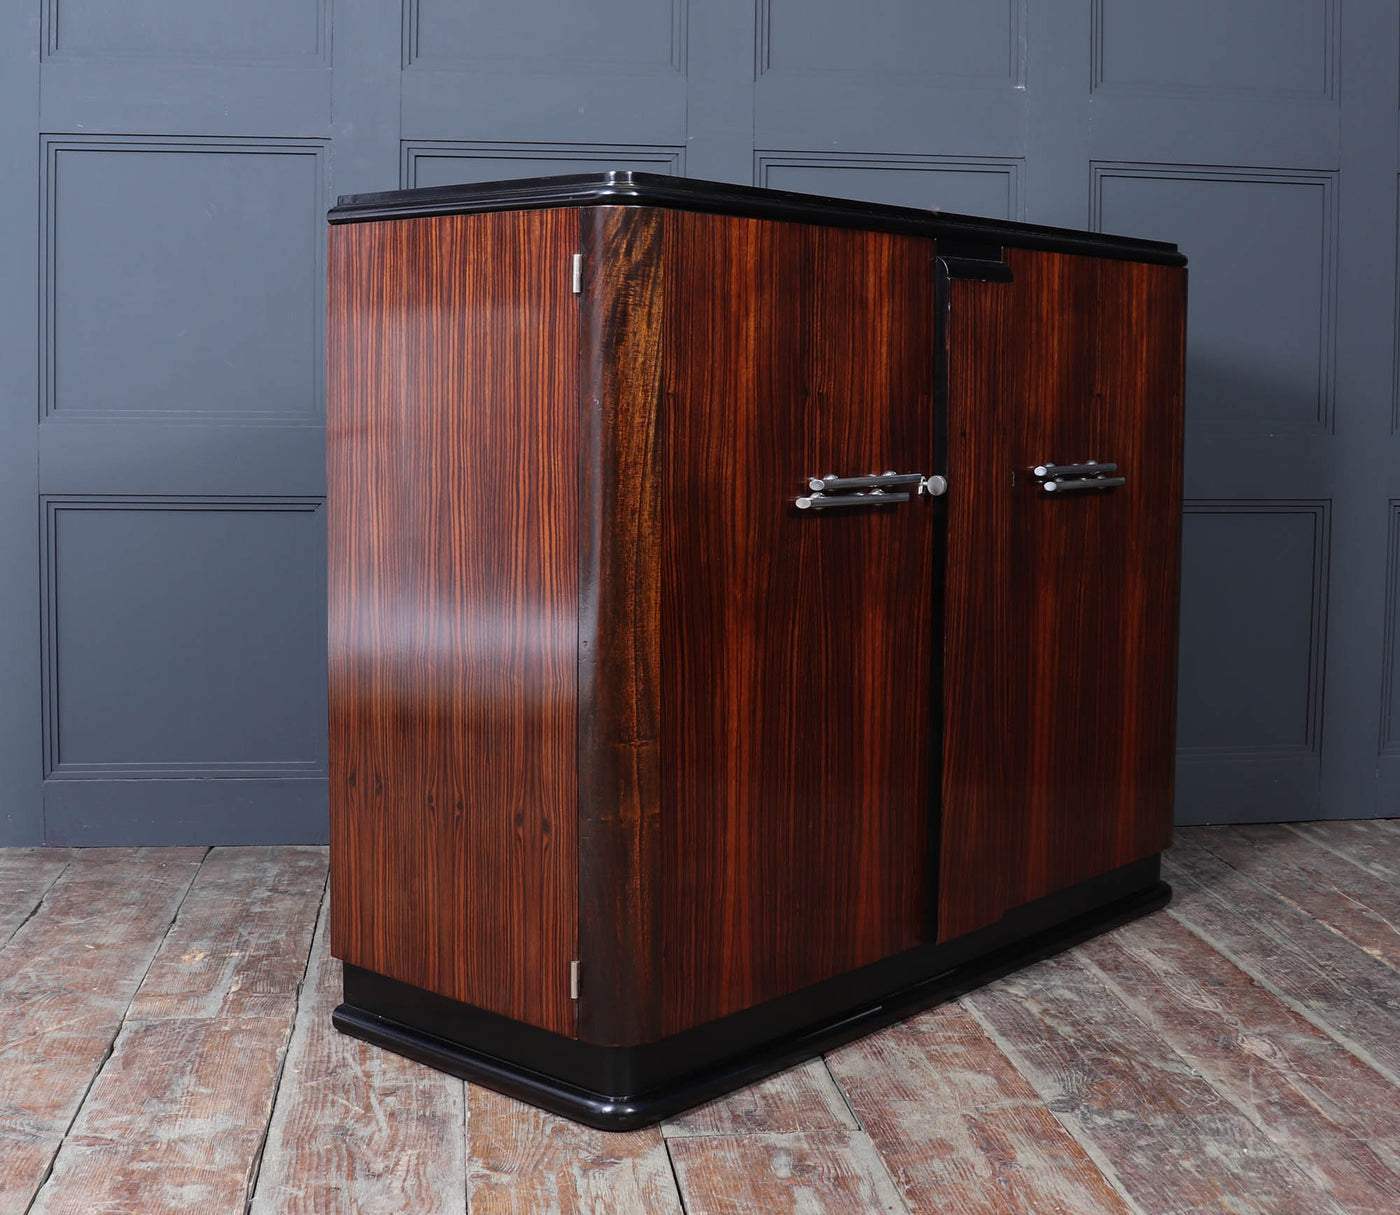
(1073, 478)
(874, 481)
(876, 497)
(1071, 486)
(878, 489)
(1073, 470)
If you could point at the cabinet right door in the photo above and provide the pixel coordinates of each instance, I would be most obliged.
(1061, 608)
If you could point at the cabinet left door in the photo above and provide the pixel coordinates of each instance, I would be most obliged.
(797, 647)
(453, 535)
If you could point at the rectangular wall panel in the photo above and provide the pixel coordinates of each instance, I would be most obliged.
(630, 35)
(892, 38)
(1263, 284)
(183, 637)
(445, 162)
(967, 186)
(1254, 598)
(1253, 623)
(262, 31)
(1390, 666)
(182, 279)
(1220, 46)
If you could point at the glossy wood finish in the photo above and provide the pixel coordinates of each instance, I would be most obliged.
(796, 648)
(600, 691)
(620, 481)
(1061, 612)
(452, 437)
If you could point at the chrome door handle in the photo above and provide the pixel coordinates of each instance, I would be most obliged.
(1072, 478)
(878, 489)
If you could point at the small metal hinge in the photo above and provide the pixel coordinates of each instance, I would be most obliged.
(578, 273)
(573, 980)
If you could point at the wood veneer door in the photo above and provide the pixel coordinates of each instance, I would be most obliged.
(796, 649)
(1061, 609)
(452, 440)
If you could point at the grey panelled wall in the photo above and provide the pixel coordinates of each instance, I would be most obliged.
(161, 287)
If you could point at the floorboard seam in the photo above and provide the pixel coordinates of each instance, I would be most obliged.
(33, 911)
(255, 1168)
(466, 1150)
(117, 1033)
(845, 1100)
(675, 1177)
(1086, 1144)
(867, 1147)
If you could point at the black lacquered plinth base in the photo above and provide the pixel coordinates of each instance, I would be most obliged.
(618, 1088)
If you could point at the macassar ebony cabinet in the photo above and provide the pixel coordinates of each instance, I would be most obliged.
(752, 619)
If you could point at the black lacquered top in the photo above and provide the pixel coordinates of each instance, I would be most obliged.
(625, 188)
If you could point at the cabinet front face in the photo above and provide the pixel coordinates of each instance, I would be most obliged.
(1061, 602)
(796, 649)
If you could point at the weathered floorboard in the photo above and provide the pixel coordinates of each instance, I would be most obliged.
(1337, 1118)
(803, 1098)
(524, 1161)
(175, 1118)
(820, 1173)
(1169, 1140)
(1336, 985)
(959, 1129)
(66, 979)
(357, 1129)
(1238, 1053)
(240, 943)
(1373, 845)
(25, 877)
(1350, 901)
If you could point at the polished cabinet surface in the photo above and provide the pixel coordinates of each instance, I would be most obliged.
(1061, 604)
(454, 599)
(752, 617)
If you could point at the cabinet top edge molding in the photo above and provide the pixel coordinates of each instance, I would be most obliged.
(629, 189)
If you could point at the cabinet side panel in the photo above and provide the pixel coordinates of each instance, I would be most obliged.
(452, 448)
(797, 646)
(1061, 610)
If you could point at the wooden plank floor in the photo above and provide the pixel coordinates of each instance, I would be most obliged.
(165, 1046)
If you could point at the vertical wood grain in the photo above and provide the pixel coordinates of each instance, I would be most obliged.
(621, 488)
(452, 437)
(1061, 611)
(796, 648)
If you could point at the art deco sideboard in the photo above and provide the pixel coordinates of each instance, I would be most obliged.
(752, 618)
